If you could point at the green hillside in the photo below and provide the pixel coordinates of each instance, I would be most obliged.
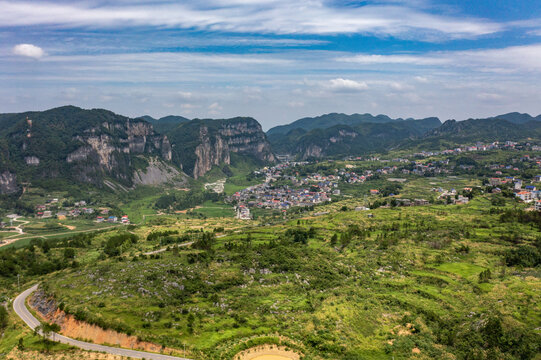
(166, 123)
(330, 120)
(453, 133)
(70, 143)
(344, 140)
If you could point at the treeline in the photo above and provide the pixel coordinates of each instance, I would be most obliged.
(186, 199)
(41, 257)
(117, 244)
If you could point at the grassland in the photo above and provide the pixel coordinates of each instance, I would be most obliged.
(392, 284)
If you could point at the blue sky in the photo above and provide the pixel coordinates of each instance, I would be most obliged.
(275, 60)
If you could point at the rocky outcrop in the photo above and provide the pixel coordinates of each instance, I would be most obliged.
(8, 183)
(31, 160)
(314, 151)
(80, 145)
(157, 173)
(46, 307)
(135, 137)
(209, 152)
(201, 144)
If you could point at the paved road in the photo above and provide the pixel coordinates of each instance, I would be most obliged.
(19, 305)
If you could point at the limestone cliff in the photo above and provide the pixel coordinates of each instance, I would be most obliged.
(81, 145)
(201, 144)
(8, 183)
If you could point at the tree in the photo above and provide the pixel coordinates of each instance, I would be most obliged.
(47, 331)
(191, 320)
(69, 253)
(334, 239)
(485, 276)
(3, 317)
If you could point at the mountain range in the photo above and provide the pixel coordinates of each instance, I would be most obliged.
(329, 120)
(356, 138)
(104, 149)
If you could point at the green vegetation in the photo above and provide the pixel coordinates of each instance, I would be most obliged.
(436, 281)
(216, 134)
(54, 134)
(359, 139)
(341, 286)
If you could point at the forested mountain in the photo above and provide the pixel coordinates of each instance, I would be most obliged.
(166, 123)
(454, 132)
(79, 145)
(95, 146)
(517, 118)
(203, 143)
(330, 120)
(344, 140)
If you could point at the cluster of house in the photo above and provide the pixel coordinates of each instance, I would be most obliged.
(527, 193)
(243, 212)
(477, 147)
(452, 195)
(266, 196)
(43, 210)
(414, 202)
(526, 158)
(113, 219)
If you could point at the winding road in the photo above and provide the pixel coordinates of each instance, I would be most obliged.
(19, 305)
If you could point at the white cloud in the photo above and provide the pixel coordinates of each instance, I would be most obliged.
(215, 109)
(505, 60)
(489, 97)
(28, 50)
(367, 59)
(400, 86)
(215, 106)
(295, 104)
(277, 16)
(346, 85)
(185, 95)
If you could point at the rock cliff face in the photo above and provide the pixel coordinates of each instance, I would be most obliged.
(129, 138)
(8, 183)
(82, 145)
(157, 172)
(201, 144)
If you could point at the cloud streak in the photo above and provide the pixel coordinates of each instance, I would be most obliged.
(505, 60)
(272, 16)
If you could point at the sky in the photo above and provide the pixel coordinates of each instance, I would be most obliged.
(274, 60)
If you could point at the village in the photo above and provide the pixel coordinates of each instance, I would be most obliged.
(53, 209)
(284, 188)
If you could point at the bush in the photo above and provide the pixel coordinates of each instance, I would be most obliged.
(523, 255)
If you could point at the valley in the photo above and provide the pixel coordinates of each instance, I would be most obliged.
(427, 249)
